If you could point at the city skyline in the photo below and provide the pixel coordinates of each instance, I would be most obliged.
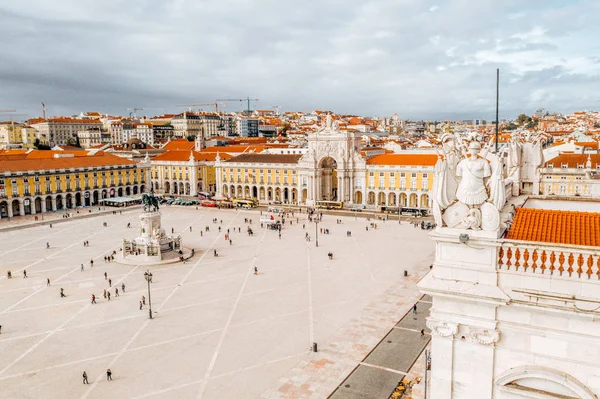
(426, 60)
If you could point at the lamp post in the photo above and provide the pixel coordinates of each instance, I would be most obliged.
(148, 277)
(317, 231)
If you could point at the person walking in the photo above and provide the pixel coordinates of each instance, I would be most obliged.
(140, 305)
(92, 262)
(116, 291)
(108, 375)
(85, 380)
(190, 229)
(93, 299)
(81, 267)
(24, 273)
(104, 294)
(108, 295)
(143, 300)
(422, 333)
(62, 293)
(415, 309)
(123, 287)
(105, 276)
(47, 282)
(48, 244)
(109, 282)
(255, 271)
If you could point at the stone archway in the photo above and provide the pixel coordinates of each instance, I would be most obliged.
(48, 201)
(3, 209)
(167, 187)
(261, 193)
(225, 190)
(424, 201)
(381, 199)
(402, 200)
(254, 192)
(413, 200)
(304, 195)
(294, 195)
(371, 198)
(269, 194)
(328, 180)
(246, 191)
(286, 195)
(392, 199)
(120, 192)
(95, 198)
(59, 203)
(37, 204)
(15, 208)
(69, 200)
(358, 197)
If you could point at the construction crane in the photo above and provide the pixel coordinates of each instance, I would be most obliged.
(247, 99)
(136, 109)
(276, 108)
(215, 104)
(44, 109)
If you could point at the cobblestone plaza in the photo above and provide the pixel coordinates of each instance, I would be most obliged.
(218, 331)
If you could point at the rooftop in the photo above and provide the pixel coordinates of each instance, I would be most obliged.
(404, 159)
(556, 226)
(266, 158)
(45, 160)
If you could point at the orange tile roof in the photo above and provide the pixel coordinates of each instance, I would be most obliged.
(559, 227)
(44, 160)
(404, 159)
(266, 158)
(184, 156)
(572, 160)
(179, 144)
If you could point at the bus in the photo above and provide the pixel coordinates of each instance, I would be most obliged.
(390, 209)
(248, 202)
(204, 196)
(329, 204)
(414, 212)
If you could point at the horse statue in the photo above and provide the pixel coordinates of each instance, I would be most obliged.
(150, 202)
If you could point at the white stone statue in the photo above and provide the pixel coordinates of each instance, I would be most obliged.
(515, 152)
(471, 189)
(328, 121)
(446, 181)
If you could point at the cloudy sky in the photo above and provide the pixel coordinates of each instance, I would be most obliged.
(417, 58)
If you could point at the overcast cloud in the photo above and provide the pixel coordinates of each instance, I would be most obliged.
(420, 59)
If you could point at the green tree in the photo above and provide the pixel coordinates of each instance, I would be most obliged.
(523, 119)
(191, 138)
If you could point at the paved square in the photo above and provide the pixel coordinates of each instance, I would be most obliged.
(218, 332)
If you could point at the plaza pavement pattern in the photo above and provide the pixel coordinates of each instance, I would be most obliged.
(219, 331)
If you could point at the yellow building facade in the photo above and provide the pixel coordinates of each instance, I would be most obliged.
(43, 181)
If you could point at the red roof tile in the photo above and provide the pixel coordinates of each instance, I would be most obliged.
(559, 227)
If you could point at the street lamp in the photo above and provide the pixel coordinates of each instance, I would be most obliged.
(148, 277)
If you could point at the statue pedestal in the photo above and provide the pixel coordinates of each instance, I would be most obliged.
(152, 245)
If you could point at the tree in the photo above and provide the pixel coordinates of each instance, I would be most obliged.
(40, 146)
(523, 119)
(191, 138)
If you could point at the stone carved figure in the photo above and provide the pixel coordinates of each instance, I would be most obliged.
(515, 152)
(328, 121)
(471, 188)
(446, 181)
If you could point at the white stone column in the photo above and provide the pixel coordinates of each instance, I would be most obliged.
(441, 367)
(54, 203)
(32, 206)
(9, 209)
(21, 207)
(64, 201)
(194, 181)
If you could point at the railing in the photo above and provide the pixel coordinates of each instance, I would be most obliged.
(547, 259)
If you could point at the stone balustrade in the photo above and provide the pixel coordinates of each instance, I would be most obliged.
(573, 261)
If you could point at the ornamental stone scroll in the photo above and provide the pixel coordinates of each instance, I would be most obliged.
(442, 328)
(484, 336)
